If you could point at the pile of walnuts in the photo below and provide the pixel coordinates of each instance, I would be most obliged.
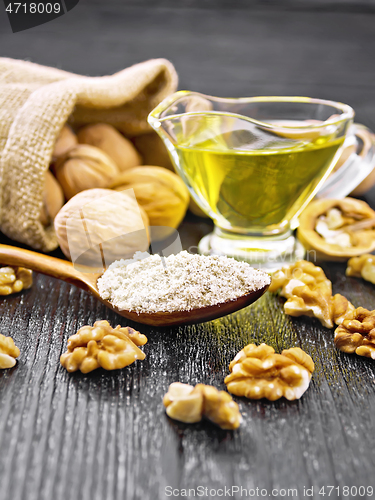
(309, 293)
(99, 157)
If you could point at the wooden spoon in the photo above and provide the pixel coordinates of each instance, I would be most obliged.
(64, 270)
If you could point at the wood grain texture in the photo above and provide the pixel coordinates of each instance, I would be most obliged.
(105, 436)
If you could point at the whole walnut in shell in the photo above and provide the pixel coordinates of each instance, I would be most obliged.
(53, 199)
(66, 141)
(98, 226)
(161, 193)
(84, 167)
(109, 140)
(153, 150)
(196, 210)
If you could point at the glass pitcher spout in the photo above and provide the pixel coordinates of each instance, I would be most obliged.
(184, 114)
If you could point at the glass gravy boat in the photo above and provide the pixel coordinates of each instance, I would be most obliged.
(252, 165)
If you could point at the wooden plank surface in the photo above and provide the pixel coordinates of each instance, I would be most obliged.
(105, 436)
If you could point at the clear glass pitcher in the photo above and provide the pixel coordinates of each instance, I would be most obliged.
(252, 165)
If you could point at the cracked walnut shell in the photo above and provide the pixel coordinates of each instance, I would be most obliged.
(8, 352)
(189, 404)
(102, 346)
(357, 333)
(362, 267)
(14, 279)
(258, 372)
(337, 229)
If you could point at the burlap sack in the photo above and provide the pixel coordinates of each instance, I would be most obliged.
(35, 103)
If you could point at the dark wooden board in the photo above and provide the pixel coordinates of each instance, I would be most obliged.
(105, 436)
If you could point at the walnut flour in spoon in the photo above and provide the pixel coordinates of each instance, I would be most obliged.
(179, 282)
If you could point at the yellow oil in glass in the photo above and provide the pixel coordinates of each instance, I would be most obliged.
(247, 188)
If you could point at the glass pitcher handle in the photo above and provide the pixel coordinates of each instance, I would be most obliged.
(355, 169)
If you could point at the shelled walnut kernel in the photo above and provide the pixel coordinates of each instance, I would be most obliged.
(309, 293)
(14, 279)
(362, 267)
(357, 333)
(258, 372)
(8, 352)
(341, 308)
(102, 346)
(300, 273)
(189, 404)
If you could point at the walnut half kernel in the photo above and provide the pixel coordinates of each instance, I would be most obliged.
(102, 346)
(362, 267)
(357, 333)
(14, 279)
(258, 372)
(8, 352)
(309, 293)
(189, 404)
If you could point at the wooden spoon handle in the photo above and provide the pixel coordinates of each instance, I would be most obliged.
(58, 268)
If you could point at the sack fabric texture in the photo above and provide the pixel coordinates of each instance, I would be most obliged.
(36, 102)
